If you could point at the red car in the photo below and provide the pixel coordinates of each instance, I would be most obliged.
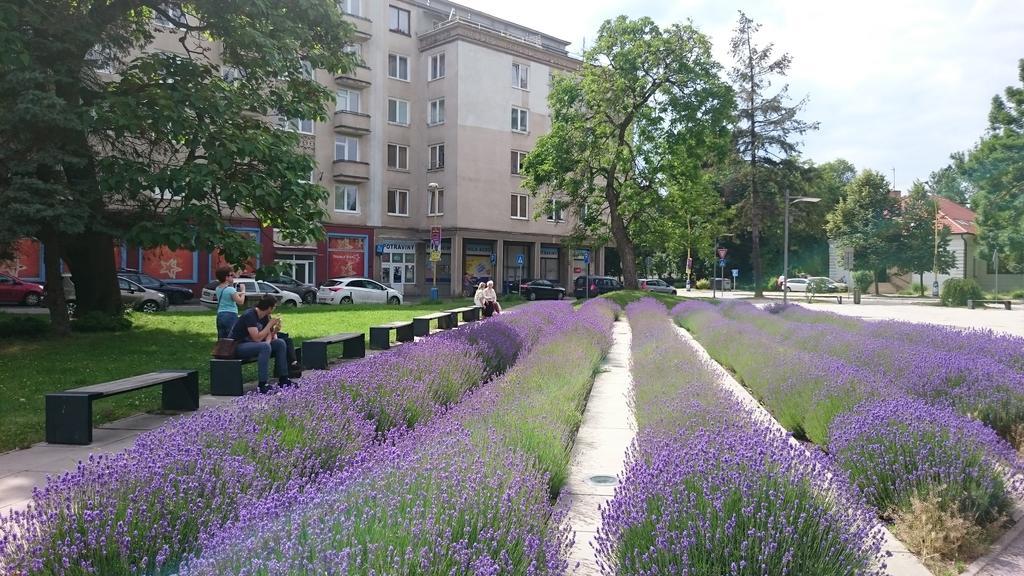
(17, 291)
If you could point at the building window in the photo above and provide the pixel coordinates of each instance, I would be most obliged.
(398, 202)
(520, 119)
(306, 70)
(398, 266)
(436, 67)
(351, 7)
(101, 59)
(174, 19)
(398, 157)
(436, 207)
(398, 67)
(346, 148)
(519, 206)
(398, 20)
(355, 50)
(436, 157)
(346, 198)
(521, 76)
(230, 74)
(398, 111)
(346, 101)
(517, 161)
(436, 112)
(297, 125)
(555, 211)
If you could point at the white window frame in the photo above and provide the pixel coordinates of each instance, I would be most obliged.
(555, 213)
(351, 192)
(401, 202)
(298, 125)
(520, 76)
(520, 120)
(349, 145)
(399, 106)
(306, 70)
(230, 74)
(399, 149)
(436, 112)
(435, 203)
(516, 162)
(435, 158)
(396, 61)
(351, 7)
(436, 67)
(174, 12)
(356, 49)
(395, 20)
(521, 204)
(344, 99)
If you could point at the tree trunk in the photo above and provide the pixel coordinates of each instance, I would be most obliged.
(55, 300)
(623, 242)
(921, 275)
(874, 276)
(90, 256)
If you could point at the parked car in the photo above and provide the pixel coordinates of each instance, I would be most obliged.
(540, 290)
(355, 290)
(597, 285)
(307, 292)
(175, 294)
(832, 285)
(17, 291)
(656, 285)
(134, 296)
(796, 284)
(254, 290)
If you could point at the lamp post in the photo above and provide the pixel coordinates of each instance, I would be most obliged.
(785, 240)
(714, 265)
(432, 188)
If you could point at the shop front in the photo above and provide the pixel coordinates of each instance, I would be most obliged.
(398, 264)
(518, 264)
(549, 267)
(443, 267)
(478, 260)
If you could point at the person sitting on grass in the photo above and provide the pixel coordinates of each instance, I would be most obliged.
(256, 335)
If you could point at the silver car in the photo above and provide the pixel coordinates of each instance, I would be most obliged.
(656, 285)
(133, 296)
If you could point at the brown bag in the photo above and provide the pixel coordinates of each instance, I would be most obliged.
(224, 349)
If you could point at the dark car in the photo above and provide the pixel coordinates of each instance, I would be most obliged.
(305, 291)
(596, 286)
(541, 290)
(17, 291)
(175, 294)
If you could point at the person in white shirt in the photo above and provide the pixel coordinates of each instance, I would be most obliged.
(478, 298)
(491, 296)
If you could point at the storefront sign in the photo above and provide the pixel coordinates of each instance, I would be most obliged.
(396, 246)
(27, 261)
(170, 265)
(347, 256)
(549, 252)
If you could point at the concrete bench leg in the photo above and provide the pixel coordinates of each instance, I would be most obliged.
(474, 315)
(1007, 304)
(226, 377)
(380, 338)
(68, 419)
(448, 322)
(181, 394)
(421, 327)
(354, 348)
(404, 334)
(314, 355)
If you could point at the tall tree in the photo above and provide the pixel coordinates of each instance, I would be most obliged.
(924, 245)
(867, 220)
(766, 127)
(951, 182)
(996, 169)
(162, 149)
(647, 105)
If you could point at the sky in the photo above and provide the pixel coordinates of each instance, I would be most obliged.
(896, 84)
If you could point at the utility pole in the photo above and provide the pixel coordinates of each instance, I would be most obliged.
(935, 254)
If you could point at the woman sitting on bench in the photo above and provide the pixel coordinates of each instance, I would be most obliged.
(256, 335)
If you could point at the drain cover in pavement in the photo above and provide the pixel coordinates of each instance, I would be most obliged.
(603, 480)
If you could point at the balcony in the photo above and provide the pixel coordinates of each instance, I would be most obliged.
(363, 26)
(351, 122)
(358, 77)
(351, 171)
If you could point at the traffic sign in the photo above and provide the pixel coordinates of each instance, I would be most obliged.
(735, 272)
(435, 255)
(722, 252)
(379, 248)
(520, 260)
(586, 256)
(722, 262)
(494, 258)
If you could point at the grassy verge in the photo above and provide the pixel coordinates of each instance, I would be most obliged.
(171, 340)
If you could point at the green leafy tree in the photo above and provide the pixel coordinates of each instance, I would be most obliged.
(995, 167)
(647, 108)
(867, 220)
(766, 127)
(951, 182)
(921, 247)
(160, 152)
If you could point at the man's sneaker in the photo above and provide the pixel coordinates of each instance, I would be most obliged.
(263, 388)
(295, 370)
(284, 382)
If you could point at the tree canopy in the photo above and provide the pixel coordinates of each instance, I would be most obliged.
(867, 220)
(646, 112)
(924, 244)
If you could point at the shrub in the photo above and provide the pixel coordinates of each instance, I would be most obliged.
(1018, 294)
(23, 326)
(703, 284)
(96, 321)
(863, 279)
(957, 291)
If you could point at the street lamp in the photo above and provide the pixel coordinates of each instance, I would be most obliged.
(714, 265)
(785, 240)
(432, 191)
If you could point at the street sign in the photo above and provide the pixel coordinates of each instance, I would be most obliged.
(586, 256)
(722, 262)
(435, 255)
(520, 260)
(689, 264)
(379, 248)
(722, 252)
(735, 272)
(435, 238)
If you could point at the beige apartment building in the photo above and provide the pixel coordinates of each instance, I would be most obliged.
(428, 132)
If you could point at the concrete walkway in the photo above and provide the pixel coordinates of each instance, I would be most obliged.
(607, 432)
(902, 562)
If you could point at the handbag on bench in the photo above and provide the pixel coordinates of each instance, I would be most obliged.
(224, 349)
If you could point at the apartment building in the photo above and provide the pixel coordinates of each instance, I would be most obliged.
(430, 131)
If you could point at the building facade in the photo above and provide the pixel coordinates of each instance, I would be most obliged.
(428, 132)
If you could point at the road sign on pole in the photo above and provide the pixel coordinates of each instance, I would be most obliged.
(722, 252)
(435, 238)
(520, 260)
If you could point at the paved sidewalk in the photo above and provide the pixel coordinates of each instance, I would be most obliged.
(606, 433)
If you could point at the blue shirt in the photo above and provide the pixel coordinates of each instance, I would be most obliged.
(225, 300)
(248, 319)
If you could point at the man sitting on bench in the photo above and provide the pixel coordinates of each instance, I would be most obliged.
(256, 335)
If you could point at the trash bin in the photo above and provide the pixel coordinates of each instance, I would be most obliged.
(723, 284)
(856, 295)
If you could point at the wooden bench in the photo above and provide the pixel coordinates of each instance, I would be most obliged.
(469, 314)
(314, 352)
(972, 304)
(69, 413)
(445, 321)
(380, 336)
(226, 376)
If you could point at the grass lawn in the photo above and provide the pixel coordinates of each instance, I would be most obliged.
(624, 297)
(34, 367)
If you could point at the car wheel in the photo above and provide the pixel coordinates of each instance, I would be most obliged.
(531, 296)
(32, 299)
(309, 298)
(394, 300)
(149, 306)
(289, 304)
(346, 299)
(561, 295)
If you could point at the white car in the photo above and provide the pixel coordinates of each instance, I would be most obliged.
(356, 291)
(796, 285)
(254, 290)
